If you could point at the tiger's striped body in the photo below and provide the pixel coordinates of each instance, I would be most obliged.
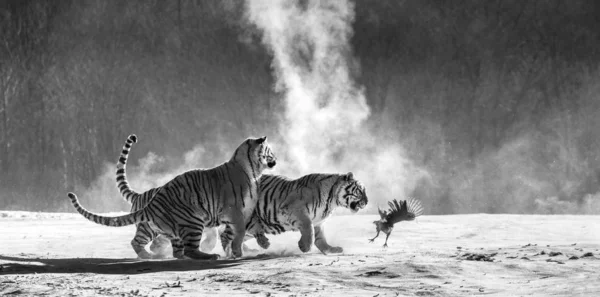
(303, 204)
(184, 206)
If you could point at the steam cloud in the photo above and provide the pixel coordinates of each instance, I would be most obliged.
(325, 126)
(325, 129)
(310, 47)
(148, 172)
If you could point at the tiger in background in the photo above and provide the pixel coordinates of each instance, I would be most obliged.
(199, 198)
(302, 204)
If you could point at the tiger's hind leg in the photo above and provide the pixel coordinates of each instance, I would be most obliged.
(177, 245)
(143, 235)
(191, 242)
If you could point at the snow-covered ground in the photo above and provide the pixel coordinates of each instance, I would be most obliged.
(55, 254)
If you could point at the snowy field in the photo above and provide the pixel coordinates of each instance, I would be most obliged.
(55, 254)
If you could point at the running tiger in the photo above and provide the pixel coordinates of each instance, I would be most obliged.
(183, 207)
(302, 204)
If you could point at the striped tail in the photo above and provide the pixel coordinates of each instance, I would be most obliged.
(415, 207)
(128, 194)
(125, 220)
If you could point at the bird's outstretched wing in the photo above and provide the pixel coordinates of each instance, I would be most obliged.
(382, 213)
(404, 211)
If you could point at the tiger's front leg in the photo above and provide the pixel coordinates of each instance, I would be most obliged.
(236, 229)
(191, 243)
(303, 223)
(226, 237)
(322, 244)
(143, 235)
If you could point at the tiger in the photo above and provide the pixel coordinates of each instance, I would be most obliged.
(146, 232)
(302, 204)
(210, 234)
(199, 198)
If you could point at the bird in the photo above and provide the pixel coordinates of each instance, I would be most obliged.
(399, 211)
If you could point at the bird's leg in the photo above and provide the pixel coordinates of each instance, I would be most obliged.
(372, 239)
(386, 238)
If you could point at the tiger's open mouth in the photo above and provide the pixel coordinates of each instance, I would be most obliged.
(355, 206)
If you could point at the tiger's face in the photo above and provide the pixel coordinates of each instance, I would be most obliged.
(265, 155)
(255, 153)
(353, 194)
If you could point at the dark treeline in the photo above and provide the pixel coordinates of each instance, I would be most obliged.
(497, 100)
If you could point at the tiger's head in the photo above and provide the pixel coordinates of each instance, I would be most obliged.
(255, 153)
(352, 194)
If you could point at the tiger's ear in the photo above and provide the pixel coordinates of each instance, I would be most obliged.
(261, 140)
(349, 176)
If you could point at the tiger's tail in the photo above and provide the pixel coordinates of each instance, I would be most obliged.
(128, 194)
(125, 220)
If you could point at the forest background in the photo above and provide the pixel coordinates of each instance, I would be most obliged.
(471, 106)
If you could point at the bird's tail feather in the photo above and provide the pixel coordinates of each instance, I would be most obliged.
(415, 207)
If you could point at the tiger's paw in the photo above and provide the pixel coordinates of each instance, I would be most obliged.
(304, 245)
(236, 252)
(335, 250)
(178, 255)
(263, 241)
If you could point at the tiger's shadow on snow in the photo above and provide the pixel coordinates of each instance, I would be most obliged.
(25, 265)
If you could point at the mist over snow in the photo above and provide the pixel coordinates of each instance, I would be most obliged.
(469, 106)
(324, 129)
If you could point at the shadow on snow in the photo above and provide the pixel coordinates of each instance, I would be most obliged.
(24, 265)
